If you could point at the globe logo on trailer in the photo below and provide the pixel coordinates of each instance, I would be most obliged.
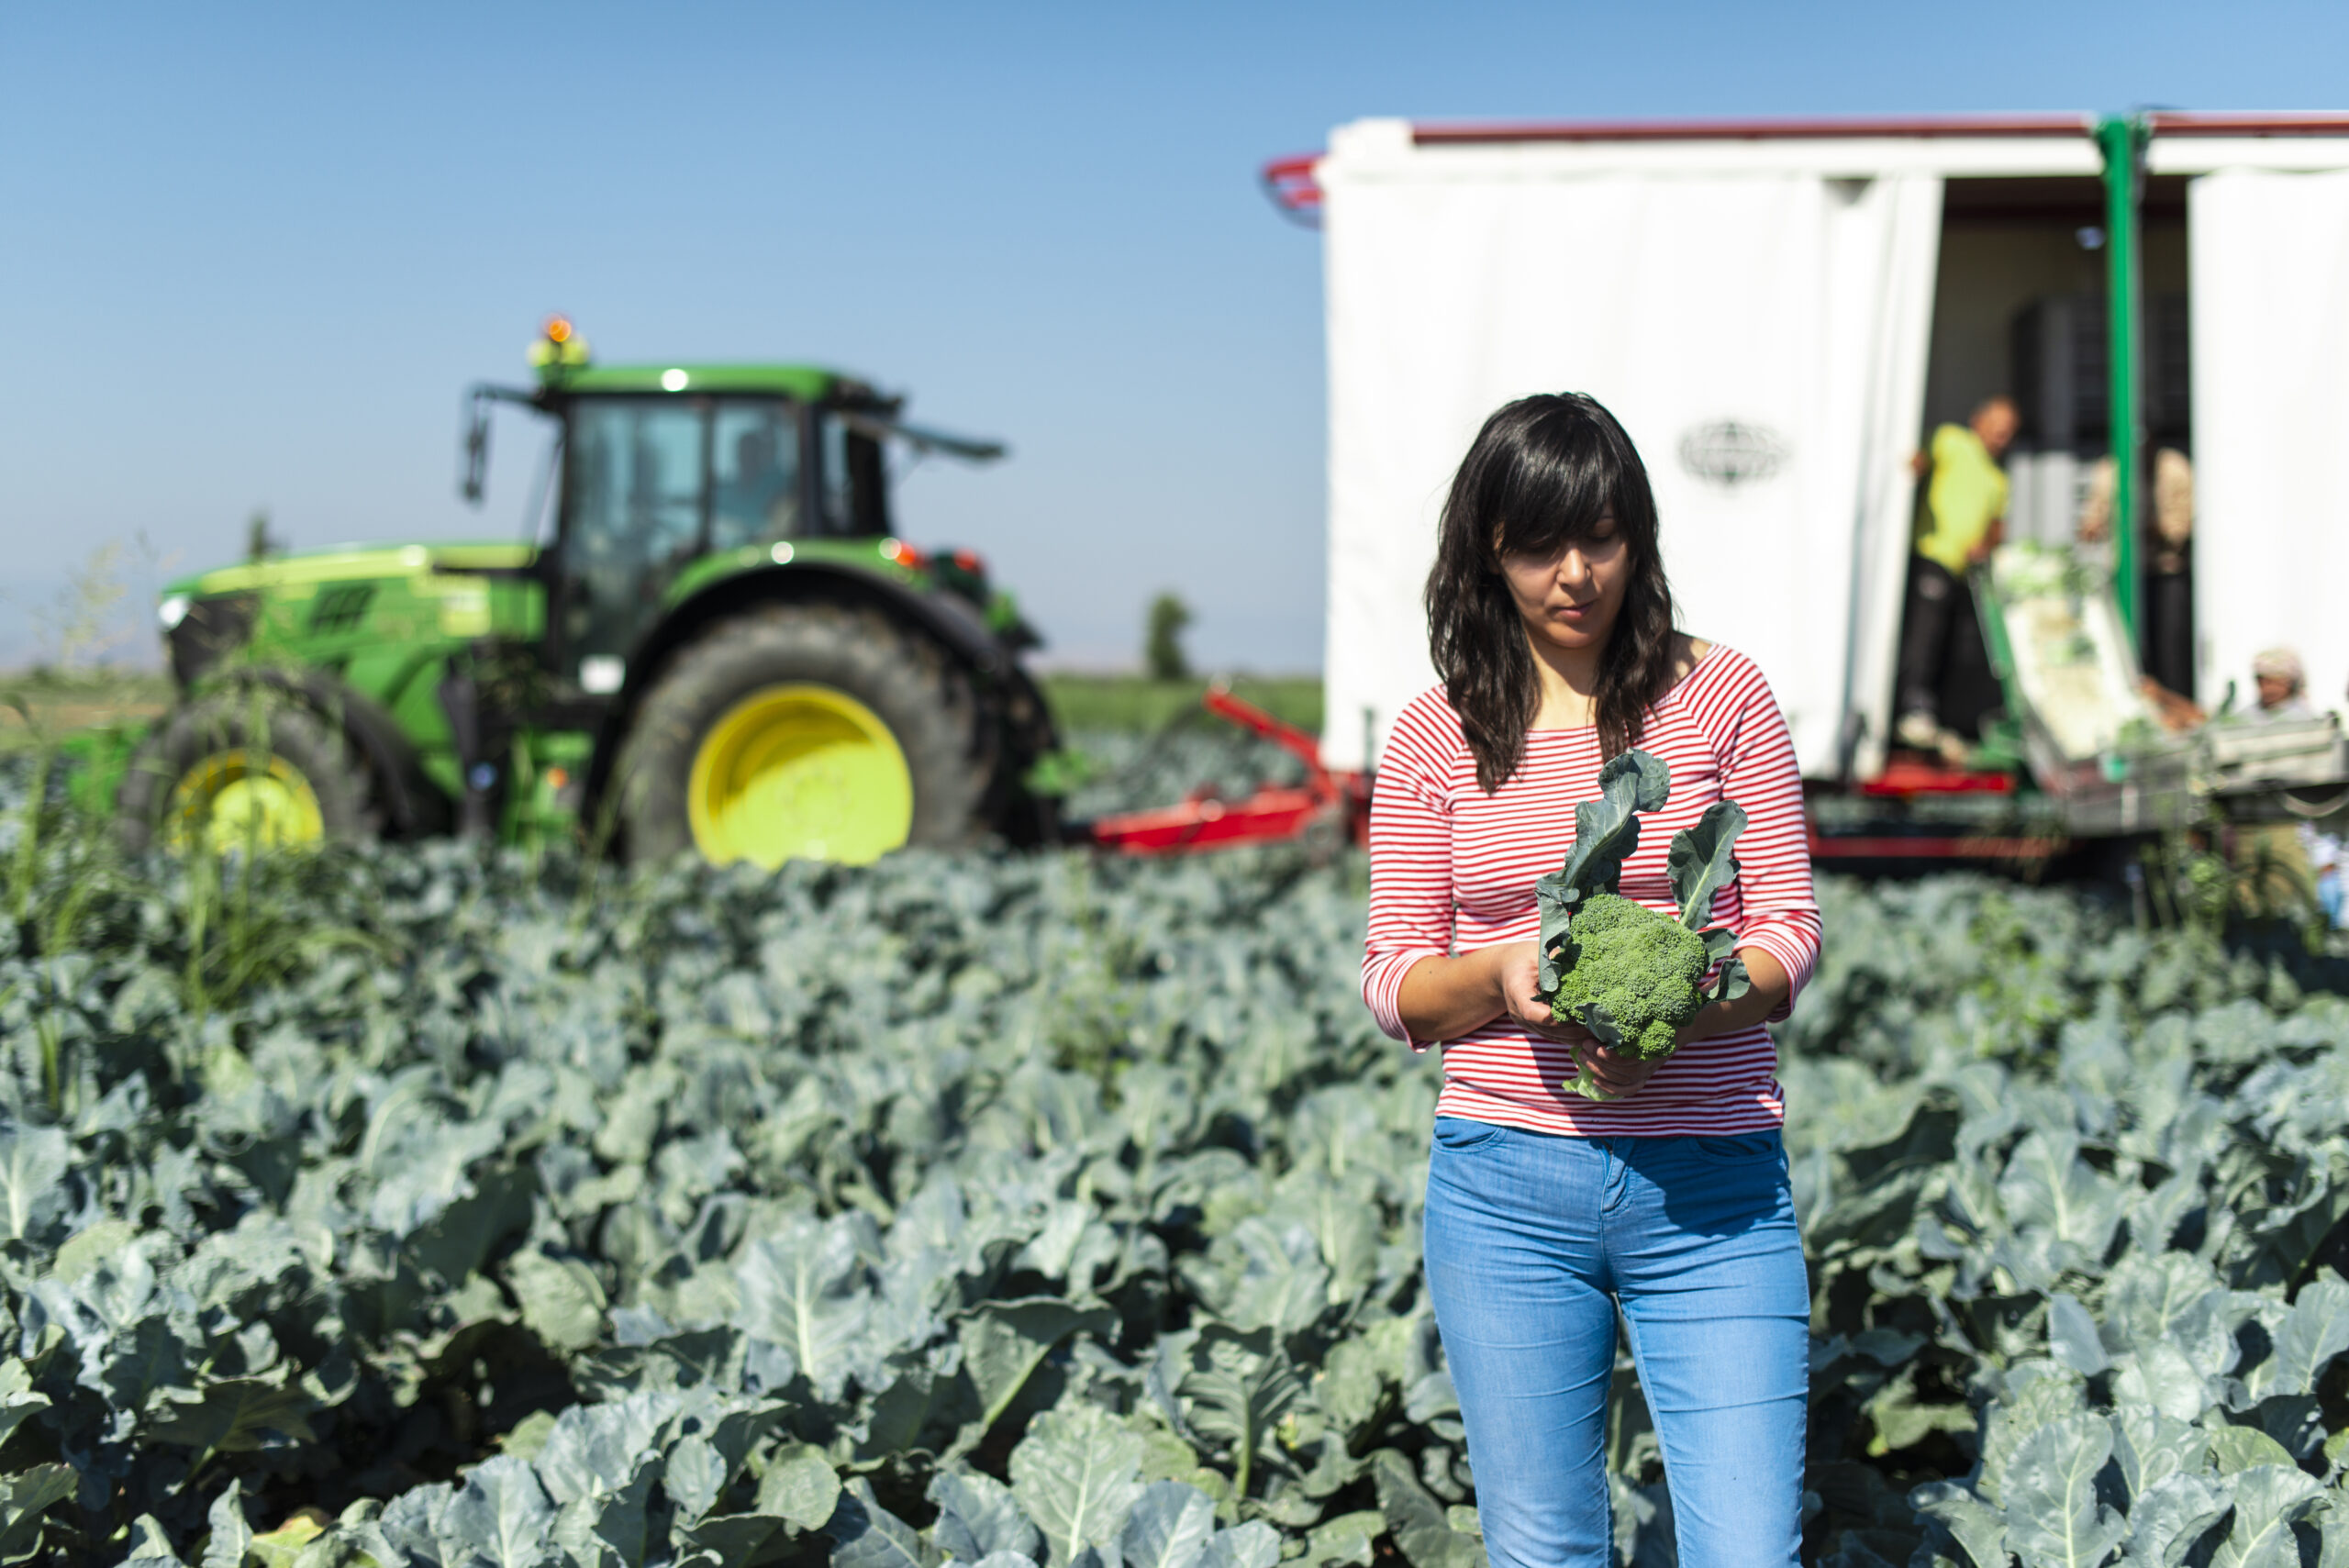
(1731, 452)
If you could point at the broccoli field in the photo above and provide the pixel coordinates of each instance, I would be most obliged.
(438, 1207)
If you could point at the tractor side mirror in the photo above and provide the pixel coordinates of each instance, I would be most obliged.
(476, 462)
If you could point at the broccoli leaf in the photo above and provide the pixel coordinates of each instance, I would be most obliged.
(1606, 830)
(1601, 1024)
(1700, 862)
(1730, 981)
(1553, 898)
(237, 1415)
(1647, 771)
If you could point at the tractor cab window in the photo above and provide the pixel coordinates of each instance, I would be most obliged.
(855, 487)
(633, 498)
(754, 473)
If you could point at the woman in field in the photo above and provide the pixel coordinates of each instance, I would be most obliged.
(1551, 624)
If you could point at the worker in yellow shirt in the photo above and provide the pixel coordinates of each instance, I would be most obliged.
(1946, 687)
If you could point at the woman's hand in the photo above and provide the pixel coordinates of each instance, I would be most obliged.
(1520, 970)
(1619, 1076)
(1516, 971)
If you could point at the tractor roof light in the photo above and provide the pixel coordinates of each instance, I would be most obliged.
(971, 562)
(559, 344)
(900, 552)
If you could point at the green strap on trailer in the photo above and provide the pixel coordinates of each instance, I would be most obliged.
(2122, 140)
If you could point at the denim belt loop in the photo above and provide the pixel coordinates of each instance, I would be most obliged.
(1617, 1176)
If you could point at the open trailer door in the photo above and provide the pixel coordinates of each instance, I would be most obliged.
(1757, 321)
(2270, 275)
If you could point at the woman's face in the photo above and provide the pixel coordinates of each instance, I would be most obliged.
(1570, 600)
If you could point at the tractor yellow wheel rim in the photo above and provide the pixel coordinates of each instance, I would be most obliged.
(799, 773)
(233, 799)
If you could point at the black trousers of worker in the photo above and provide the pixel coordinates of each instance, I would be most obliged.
(2169, 628)
(1944, 667)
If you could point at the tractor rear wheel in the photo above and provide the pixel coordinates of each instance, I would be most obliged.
(805, 731)
(244, 770)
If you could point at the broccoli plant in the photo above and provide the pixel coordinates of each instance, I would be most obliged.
(1631, 976)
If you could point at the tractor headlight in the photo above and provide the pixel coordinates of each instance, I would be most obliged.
(171, 611)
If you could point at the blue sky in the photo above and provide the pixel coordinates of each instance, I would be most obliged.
(252, 254)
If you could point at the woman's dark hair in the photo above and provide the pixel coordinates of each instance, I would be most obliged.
(1540, 474)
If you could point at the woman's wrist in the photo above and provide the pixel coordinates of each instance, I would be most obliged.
(1495, 964)
(1712, 1018)
(1769, 987)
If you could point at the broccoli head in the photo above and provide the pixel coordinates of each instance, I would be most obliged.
(1641, 967)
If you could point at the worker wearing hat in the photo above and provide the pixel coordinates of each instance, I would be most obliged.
(2282, 681)
(2277, 865)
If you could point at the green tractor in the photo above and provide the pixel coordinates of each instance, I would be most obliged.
(718, 644)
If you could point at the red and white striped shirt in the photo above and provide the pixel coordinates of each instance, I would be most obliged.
(1451, 869)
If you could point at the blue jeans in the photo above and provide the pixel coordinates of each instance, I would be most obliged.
(1532, 1242)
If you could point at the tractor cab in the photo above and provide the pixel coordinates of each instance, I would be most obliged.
(670, 470)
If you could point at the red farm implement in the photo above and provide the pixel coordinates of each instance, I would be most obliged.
(1328, 802)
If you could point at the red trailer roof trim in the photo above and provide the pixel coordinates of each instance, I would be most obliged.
(1754, 130)
(2183, 122)
(1291, 183)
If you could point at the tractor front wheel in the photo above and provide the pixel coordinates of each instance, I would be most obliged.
(801, 731)
(243, 770)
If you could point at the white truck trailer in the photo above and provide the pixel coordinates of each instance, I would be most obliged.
(1780, 313)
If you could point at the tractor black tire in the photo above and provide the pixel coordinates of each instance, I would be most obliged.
(908, 680)
(1023, 818)
(245, 720)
